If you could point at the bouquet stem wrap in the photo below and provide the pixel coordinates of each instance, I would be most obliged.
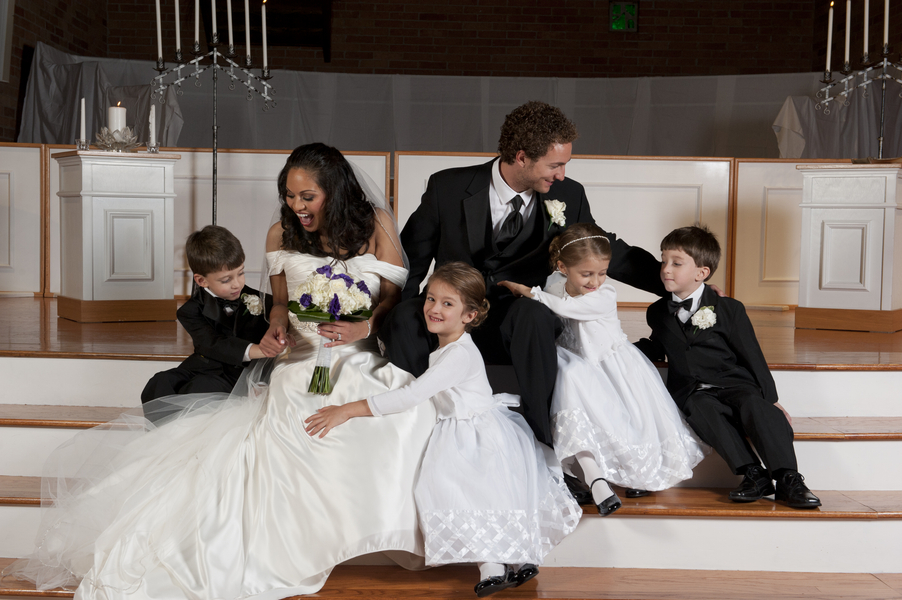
(321, 383)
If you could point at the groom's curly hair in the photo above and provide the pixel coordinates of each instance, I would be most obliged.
(348, 219)
(533, 127)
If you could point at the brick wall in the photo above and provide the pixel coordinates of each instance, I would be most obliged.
(517, 38)
(524, 38)
(75, 27)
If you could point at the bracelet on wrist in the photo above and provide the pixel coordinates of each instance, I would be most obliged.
(369, 329)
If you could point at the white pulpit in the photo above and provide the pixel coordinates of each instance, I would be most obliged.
(850, 275)
(116, 238)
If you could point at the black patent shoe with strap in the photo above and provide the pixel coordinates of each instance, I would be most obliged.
(610, 504)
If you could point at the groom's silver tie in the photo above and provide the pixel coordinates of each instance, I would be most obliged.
(512, 224)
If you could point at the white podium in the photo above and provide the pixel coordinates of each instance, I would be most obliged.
(116, 238)
(850, 275)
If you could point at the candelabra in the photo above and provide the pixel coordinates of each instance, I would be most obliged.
(882, 70)
(266, 91)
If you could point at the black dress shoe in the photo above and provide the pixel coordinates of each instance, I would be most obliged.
(608, 505)
(755, 485)
(579, 490)
(526, 572)
(634, 493)
(490, 585)
(792, 490)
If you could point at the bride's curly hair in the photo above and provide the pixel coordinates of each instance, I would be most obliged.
(347, 217)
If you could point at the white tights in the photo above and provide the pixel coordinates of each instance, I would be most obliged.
(592, 473)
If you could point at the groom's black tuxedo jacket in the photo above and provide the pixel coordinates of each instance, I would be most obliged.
(725, 355)
(453, 223)
(220, 340)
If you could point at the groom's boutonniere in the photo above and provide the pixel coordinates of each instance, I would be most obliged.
(252, 304)
(556, 210)
(704, 318)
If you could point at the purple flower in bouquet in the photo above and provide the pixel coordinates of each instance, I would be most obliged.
(305, 300)
(349, 281)
(335, 307)
(362, 287)
(325, 270)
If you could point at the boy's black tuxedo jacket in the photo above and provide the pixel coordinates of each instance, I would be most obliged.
(725, 355)
(453, 223)
(220, 340)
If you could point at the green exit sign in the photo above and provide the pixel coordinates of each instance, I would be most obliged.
(624, 16)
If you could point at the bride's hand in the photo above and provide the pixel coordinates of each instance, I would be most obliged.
(343, 332)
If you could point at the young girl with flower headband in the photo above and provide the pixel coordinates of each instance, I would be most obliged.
(486, 492)
(610, 412)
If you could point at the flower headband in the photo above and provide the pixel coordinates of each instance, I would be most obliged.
(588, 237)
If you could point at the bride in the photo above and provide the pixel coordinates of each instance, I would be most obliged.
(232, 499)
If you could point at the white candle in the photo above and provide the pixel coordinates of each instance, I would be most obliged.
(152, 125)
(848, 29)
(886, 22)
(159, 33)
(264, 33)
(197, 21)
(115, 116)
(829, 36)
(213, 12)
(247, 26)
(229, 13)
(81, 135)
(867, 18)
(178, 29)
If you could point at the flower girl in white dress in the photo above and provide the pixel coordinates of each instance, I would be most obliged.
(486, 492)
(610, 411)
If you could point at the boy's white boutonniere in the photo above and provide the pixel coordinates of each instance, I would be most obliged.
(253, 304)
(556, 210)
(704, 318)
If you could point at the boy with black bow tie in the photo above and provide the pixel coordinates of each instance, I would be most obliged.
(717, 373)
(225, 319)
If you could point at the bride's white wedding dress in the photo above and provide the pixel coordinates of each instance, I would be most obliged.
(232, 499)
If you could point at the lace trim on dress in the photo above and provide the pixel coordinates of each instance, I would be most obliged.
(651, 466)
(501, 536)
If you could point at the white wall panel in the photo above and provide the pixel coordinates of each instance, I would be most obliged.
(768, 232)
(20, 220)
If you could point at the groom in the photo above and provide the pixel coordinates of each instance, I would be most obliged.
(500, 217)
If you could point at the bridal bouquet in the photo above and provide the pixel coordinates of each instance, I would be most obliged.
(325, 297)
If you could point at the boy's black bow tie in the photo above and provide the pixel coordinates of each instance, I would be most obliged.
(675, 306)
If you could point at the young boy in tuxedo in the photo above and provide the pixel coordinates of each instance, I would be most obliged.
(717, 373)
(225, 319)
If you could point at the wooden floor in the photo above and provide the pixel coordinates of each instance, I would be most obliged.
(30, 327)
(565, 583)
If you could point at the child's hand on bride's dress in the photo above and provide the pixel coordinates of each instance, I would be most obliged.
(330, 417)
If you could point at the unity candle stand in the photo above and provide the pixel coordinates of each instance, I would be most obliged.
(116, 236)
(266, 91)
(850, 274)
